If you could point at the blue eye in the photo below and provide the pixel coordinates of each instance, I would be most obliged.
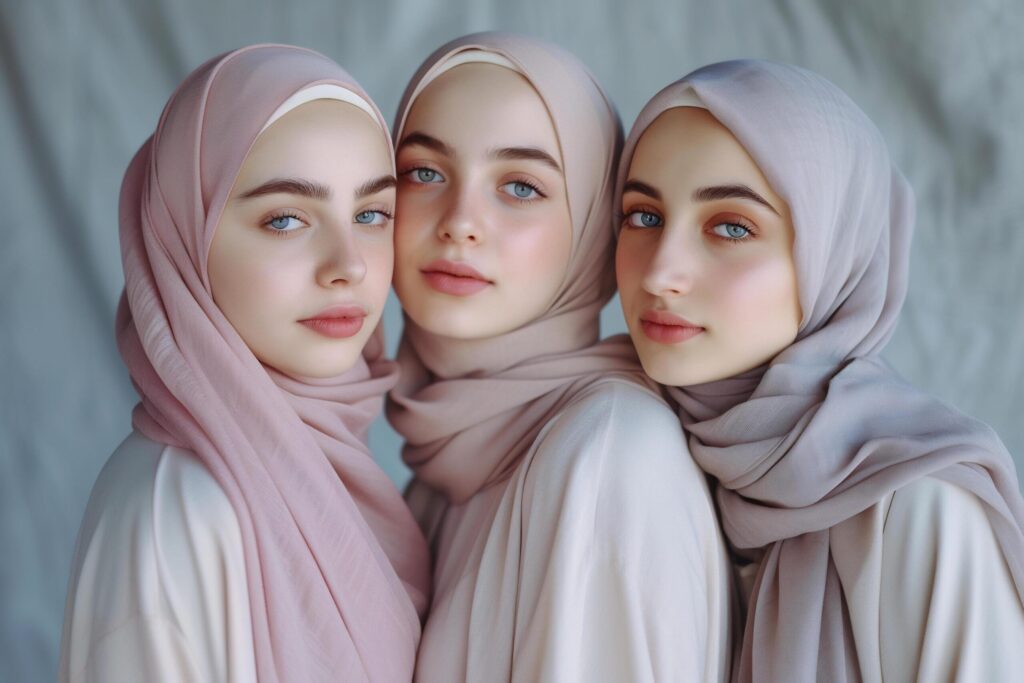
(731, 231)
(520, 190)
(372, 217)
(426, 175)
(644, 219)
(286, 223)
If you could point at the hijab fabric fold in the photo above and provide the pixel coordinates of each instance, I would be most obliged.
(826, 429)
(337, 569)
(470, 409)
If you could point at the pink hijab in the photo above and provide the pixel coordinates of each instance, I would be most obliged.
(826, 429)
(469, 410)
(337, 569)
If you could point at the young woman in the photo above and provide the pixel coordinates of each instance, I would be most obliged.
(762, 263)
(243, 531)
(573, 537)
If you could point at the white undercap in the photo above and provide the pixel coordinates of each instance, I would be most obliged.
(458, 59)
(324, 91)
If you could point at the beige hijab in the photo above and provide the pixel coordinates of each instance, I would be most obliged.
(469, 410)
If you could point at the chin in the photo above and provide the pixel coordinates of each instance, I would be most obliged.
(450, 320)
(322, 363)
(661, 371)
(672, 369)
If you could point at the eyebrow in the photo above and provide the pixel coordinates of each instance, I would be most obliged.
(641, 187)
(503, 153)
(428, 141)
(376, 185)
(710, 194)
(314, 190)
(299, 186)
(704, 194)
(525, 154)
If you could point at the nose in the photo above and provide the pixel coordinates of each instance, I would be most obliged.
(462, 222)
(340, 258)
(672, 269)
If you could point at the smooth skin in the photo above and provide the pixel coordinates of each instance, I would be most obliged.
(704, 238)
(480, 185)
(307, 227)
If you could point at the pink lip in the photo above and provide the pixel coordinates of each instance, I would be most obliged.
(454, 277)
(667, 328)
(337, 322)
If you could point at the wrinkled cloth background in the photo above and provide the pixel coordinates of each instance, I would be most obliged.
(82, 85)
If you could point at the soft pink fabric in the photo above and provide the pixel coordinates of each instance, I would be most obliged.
(470, 409)
(337, 569)
(826, 429)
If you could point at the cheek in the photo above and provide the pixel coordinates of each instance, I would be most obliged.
(414, 218)
(631, 261)
(413, 232)
(758, 295)
(536, 253)
(379, 256)
(252, 283)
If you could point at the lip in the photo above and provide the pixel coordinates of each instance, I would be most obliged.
(337, 322)
(454, 277)
(664, 327)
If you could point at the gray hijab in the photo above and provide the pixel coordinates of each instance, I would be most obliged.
(826, 429)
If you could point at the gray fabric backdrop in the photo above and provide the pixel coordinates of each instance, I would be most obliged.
(83, 84)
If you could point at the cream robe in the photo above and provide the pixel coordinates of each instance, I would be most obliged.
(158, 585)
(600, 559)
(930, 596)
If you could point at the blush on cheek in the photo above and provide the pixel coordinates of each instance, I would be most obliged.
(534, 254)
(380, 266)
(759, 299)
(416, 218)
(274, 278)
(631, 264)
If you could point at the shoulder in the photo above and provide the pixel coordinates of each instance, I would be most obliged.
(191, 508)
(619, 414)
(947, 600)
(152, 492)
(622, 435)
(159, 547)
(930, 505)
(154, 510)
(941, 533)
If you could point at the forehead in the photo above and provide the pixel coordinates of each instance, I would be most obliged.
(320, 136)
(686, 149)
(483, 105)
(691, 141)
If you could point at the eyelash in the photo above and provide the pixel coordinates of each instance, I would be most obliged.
(265, 224)
(408, 171)
(733, 220)
(530, 184)
(623, 219)
(388, 216)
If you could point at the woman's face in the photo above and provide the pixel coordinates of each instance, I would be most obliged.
(482, 234)
(301, 260)
(705, 257)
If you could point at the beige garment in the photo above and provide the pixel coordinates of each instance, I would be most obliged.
(929, 593)
(599, 560)
(158, 585)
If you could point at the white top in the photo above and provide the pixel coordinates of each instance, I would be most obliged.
(158, 586)
(930, 596)
(600, 559)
